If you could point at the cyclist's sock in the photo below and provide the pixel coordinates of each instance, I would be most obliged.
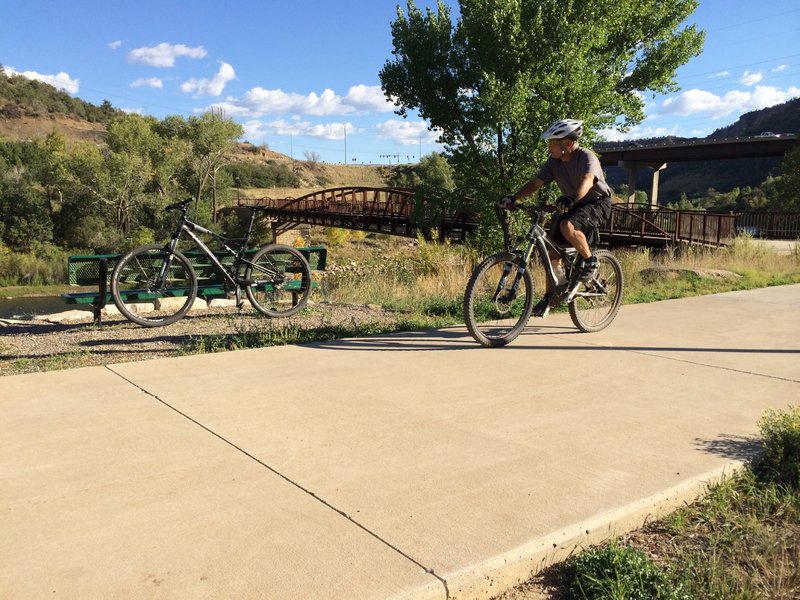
(589, 269)
(542, 307)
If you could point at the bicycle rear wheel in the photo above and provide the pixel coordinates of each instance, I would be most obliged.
(493, 313)
(149, 276)
(280, 281)
(598, 300)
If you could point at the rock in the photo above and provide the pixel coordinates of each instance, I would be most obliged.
(222, 303)
(136, 307)
(663, 272)
(176, 303)
(68, 316)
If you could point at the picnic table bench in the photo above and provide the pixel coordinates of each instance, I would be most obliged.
(96, 270)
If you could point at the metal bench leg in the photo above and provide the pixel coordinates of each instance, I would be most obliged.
(101, 300)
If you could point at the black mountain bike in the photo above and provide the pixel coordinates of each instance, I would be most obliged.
(502, 291)
(276, 280)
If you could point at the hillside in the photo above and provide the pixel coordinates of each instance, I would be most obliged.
(31, 109)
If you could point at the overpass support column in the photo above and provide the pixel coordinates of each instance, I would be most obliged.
(632, 167)
(657, 168)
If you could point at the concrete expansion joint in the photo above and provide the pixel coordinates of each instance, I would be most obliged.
(653, 353)
(321, 500)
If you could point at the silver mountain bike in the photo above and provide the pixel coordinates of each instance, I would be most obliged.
(504, 288)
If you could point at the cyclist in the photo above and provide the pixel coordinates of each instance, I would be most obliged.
(585, 200)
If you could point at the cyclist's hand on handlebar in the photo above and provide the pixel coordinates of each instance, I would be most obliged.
(564, 203)
(508, 203)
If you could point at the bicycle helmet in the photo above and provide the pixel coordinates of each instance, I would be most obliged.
(564, 128)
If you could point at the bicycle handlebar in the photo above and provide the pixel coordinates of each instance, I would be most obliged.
(179, 205)
(533, 210)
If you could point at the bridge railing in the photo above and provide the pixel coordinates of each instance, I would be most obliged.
(670, 226)
(770, 225)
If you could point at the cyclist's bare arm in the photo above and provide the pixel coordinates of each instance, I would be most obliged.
(529, 188)
(584, 187)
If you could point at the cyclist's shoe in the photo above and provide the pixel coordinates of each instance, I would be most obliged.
(589, 270)
(542, 307)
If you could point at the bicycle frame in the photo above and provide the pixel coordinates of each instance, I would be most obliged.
(192, 229)
(539, 239)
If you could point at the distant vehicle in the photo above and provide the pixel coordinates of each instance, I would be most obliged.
(750, 230)
(768, 134)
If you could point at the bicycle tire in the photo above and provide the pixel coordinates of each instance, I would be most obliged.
(280, 281)
(591, 314)
(490, 318)
(135, 276)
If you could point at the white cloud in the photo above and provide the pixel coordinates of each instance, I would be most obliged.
(368, 98)
(720, 74)
(780, 68)
(750, 79)
(164, 54)
(255, 129)
(638, 132)
(699, 101)
(151, 82)
(210, 87)
(62, 80)
(259, 101)
(407, 133)
(115, 45)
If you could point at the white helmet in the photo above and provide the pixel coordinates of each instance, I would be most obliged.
(565, 128)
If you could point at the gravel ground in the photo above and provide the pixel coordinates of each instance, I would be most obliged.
(28, 346)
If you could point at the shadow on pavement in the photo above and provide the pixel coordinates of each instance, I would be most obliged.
(735, 447)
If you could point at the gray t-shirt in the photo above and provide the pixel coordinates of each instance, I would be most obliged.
(568, 175)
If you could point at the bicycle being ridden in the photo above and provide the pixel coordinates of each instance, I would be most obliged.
(586, 204)
(276, 280)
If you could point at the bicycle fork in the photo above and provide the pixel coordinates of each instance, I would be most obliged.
(511, 293)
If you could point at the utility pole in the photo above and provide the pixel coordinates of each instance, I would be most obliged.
(345, 143)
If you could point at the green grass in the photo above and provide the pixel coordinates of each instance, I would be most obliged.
(741, 541)
(45, 363)
(282, 333)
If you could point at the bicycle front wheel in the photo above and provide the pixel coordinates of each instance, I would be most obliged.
(495, 313)
(279, 281)
(153, 287)
(598, 300)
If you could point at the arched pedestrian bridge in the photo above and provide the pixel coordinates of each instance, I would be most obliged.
(395, 211)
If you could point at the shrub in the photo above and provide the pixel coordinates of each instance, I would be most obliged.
(780, 431)
(615, 572)
(43, 265)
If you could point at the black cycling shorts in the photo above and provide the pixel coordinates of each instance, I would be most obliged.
(586, 216)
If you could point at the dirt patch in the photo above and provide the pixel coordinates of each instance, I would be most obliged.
(34, 345)
(73, 130)
(661, 272)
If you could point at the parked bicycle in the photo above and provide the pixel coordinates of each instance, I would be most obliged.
(276, 280)
(500, 294)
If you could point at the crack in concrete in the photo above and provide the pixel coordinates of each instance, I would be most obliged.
(327, 504)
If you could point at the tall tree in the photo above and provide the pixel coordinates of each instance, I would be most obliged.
(496, 78)
(787, 187)
(211, 138)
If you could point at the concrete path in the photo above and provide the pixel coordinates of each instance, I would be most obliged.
(413, 465)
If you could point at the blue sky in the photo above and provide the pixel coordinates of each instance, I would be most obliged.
(302, 76)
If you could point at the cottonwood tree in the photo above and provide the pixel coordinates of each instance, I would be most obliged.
(210, 139)
(494, 79)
